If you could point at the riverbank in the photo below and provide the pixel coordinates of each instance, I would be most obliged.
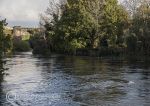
(105, 52)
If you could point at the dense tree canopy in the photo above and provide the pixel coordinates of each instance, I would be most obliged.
(82, 23)
(93, 24)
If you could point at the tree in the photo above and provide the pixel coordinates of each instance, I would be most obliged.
(115, 21)
(93, 13)
(141, 26)
(78, 23)
(132, 42)
(84, 24)
(5, 40)
(49, 21)
(122, 24)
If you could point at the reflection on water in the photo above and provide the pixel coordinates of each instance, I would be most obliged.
(74, 81)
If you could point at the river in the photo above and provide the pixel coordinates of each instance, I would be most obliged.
(74, 81)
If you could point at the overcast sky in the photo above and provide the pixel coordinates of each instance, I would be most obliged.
(22, 12)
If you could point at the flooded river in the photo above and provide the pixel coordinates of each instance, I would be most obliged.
(74, 81)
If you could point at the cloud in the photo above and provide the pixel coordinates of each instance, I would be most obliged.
(22, 11)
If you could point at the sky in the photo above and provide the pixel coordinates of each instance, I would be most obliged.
(22, 12)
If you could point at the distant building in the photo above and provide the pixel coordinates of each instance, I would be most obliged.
(19, 31)
(23, 33)
(8, 30)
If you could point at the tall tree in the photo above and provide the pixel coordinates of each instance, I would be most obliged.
(5, 40)
(93, 11)
(84, 23)
(115, 21)
(141, 26)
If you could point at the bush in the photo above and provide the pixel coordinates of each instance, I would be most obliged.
(21, 46)
(131, 42)
(115, 51)
(39, 44)
(40, 47)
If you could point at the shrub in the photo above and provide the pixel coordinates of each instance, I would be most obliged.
(21, 46)
(39, 44)
(131, 42)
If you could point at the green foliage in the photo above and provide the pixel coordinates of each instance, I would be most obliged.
(141, 27)
(94, 24)
(25, 37)
(131, 41)
(65, 33)
(20, 46)
(115, 22)
(5, 40)
(85, 21)
(39, 44)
